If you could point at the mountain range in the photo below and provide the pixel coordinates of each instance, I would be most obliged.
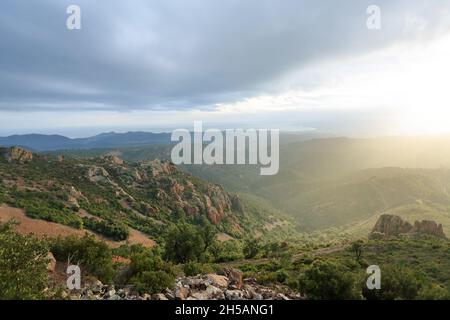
(334, 182)
(41, 142)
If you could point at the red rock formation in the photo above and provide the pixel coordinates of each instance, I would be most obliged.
(16, 154)
(392, 226)
(429, 227)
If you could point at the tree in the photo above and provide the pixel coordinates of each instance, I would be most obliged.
(357, 248)
(208, 234)
(251, 248)
(326, 280)
(184, 243)
(23, 266)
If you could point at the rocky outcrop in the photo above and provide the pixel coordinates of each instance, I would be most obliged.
(217, 203)
(16, 154)
(97, 174)
(73, 196)
(200, 287)
(429, 227)
(114, 160)
(392, 226)
(159, 167)
(234, 276)
(176, 190)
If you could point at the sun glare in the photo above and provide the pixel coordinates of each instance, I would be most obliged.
(426, 105)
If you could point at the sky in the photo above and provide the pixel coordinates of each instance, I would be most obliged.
(161, 65)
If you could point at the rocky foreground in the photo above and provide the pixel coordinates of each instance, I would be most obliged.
(227, 286)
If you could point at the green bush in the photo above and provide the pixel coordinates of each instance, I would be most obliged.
(94, 257)
(251, 248)
(397, 283)
(194, 268)
(44, 206)
(150, 273)
(327, 280)
(109, 228)
(226, 251)
(184, 243)
(127, 251)
(152, 281)
(23, 266)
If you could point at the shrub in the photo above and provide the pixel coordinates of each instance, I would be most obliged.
(152, 281)
(94, 257)
(327, 280)
(109, 228)
(23, 266)
(267, 278)
(434, 292)
(194, 268)
(226, 251)
(127, 251)
(150, 273)
(184, 243)
(396, 283)
(251, 248)
(282, 276)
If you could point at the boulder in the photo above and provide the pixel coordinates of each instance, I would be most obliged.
(195, 283)
(218, 280)
(110, 293)
(159, 296)
(169, 294)
(181, 293)
(199, 296)
(234, 277)
(214, 293)
(234, 294)
(97, 287)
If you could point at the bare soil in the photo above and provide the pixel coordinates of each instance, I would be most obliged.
(41, 228)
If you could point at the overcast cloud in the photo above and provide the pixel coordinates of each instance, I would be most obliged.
(180, 55)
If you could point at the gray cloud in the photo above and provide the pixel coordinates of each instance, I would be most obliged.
(183, 54)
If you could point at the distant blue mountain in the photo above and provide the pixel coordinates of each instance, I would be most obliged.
(41, 142)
